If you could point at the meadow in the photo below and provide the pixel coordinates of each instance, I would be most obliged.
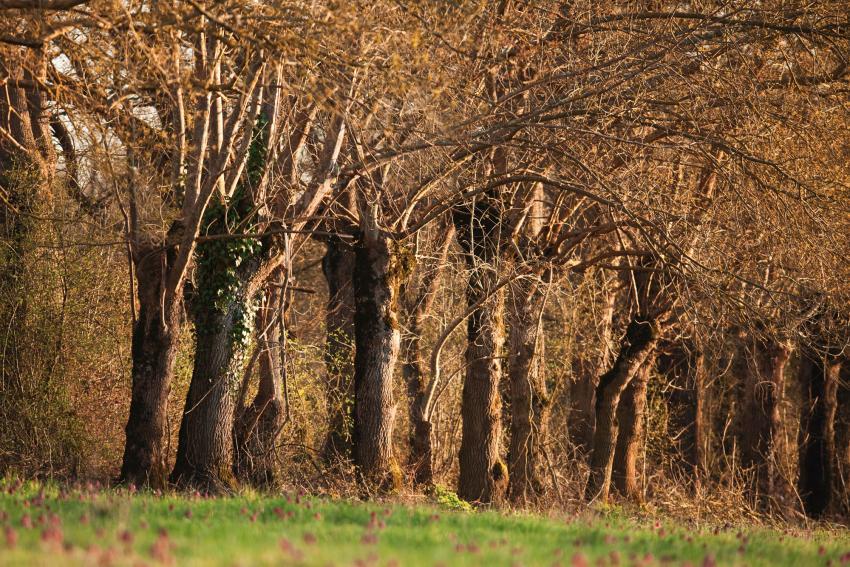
(87, 525)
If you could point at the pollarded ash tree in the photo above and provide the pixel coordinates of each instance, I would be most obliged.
(173, 94)
(85, 69)
(403, 162)
(691, 67)
(560, 138)
(231, 270)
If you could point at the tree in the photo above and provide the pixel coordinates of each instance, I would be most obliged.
(417, 297)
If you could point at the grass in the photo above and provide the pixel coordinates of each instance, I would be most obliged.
(46, 525)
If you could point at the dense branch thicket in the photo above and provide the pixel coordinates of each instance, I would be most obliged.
(240, 242)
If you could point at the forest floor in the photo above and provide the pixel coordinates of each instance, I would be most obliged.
(46, 525)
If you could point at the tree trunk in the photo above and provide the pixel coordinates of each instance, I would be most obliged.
(258, 425)
(205, 448)
(377, 276)
(224, 322)
(763, 393)
(582, 420)
(417, 303)
(338, 267)
(638, 345)
(819, 379)
(529, 397)
(630, 416)
(156, 336)
(841, 475)
(483, 476)
(415, 371)
(683, 366)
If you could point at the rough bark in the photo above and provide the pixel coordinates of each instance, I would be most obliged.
(638, 344)
(818, 375)
(683, 366)
(483, 476)
(155, 344)
(205, 444)
(222, 307)
(338, 267)
(223, 324)
(630, 417)
(258, 425)
(414, 371)
(529, 397)
(377, 276)
(421, 459)
(763, 392)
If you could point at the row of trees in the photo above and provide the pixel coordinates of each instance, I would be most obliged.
(677, 177)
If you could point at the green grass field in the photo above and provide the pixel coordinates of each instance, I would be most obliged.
(46, 526)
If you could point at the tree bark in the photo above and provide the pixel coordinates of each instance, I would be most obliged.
(258, 425)
(414, 371)
(630, 416)
(483, 475)
(338, 268)
(156, 335)
(683, 365)
(224, 321)
(763, 392)
(223, 311)
(377, 276)
(638, 344)
(818, 377)
(529, 397)
(205, 446)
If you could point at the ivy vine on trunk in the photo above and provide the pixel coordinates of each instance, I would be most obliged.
(223, 314)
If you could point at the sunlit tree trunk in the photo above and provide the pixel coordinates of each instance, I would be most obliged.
(630, 417)
(338, 268)
(415, 374)
(222, 329)
(377, 277)
(417, 304)
(529, 396)
(156, 341)
(223, 310)
(258, 425)
(483, 475)
(637, 346)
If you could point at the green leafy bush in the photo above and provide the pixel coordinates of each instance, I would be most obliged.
(448, 499)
